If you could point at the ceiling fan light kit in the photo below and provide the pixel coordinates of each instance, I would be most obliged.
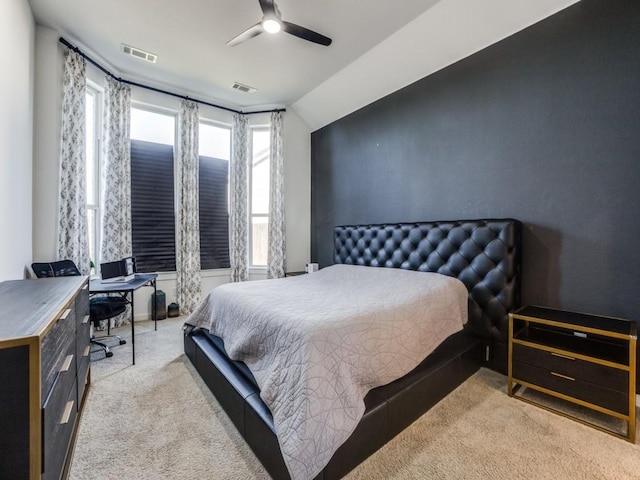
(272, 23)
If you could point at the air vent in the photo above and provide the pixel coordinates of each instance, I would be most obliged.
(244, 88)
(141, 54)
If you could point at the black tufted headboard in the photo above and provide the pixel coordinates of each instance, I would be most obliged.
(483, 254)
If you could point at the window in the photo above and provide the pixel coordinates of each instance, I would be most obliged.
(259, 193)
(214, 151)
(152, 190)
(92, 98)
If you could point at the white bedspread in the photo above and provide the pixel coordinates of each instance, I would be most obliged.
(318, 343)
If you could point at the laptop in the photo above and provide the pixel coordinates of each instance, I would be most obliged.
(121, 271)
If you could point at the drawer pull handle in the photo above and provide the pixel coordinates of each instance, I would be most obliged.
(65, 314)
(566, 377)
(67, 363)
(66, 415)
(562, 356)
(87, 349)
(85, 319)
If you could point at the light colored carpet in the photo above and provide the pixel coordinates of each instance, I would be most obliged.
(158, 420)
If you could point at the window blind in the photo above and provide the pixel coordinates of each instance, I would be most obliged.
(214, 213)
(152, 207)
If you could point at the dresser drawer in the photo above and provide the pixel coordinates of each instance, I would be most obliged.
(52, 404)
(83, 370)
(83, 336)
(580, 369)
(82, 304)
(56, 344)
(576, 388)
(58, 417)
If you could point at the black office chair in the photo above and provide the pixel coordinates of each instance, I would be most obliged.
(101, 308)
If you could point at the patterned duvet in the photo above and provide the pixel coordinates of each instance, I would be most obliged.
(317, 343)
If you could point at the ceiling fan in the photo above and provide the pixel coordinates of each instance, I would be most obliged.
(272, 23)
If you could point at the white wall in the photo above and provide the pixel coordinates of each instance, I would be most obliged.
(297, 190)
(48, 96)
(46, 145)
(16, 136)
(445, 33)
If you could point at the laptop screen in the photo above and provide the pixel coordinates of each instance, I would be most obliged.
(111, 270)
(120, 270)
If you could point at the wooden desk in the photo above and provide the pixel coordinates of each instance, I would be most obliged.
(126, 289)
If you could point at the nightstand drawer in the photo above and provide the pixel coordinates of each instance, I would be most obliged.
(572, 387)
(611, 377)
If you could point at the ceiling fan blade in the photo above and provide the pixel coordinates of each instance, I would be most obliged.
(268, 7)
(246, 35)
(305, 33)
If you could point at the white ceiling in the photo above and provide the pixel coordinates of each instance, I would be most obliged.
(189, 38)
(378, 46)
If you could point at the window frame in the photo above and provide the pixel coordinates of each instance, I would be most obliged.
(253, 129)
(229, 127)
(175, 114)
(97, 93)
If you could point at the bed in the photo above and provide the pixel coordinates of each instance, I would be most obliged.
(484, 255)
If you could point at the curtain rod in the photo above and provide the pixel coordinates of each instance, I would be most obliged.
(136, 84)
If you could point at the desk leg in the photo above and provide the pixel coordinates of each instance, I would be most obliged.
(155, 312)
(133, 337)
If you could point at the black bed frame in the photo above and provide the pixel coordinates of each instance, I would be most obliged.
(483, 254)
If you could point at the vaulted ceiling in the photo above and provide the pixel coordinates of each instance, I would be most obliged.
(378, 46)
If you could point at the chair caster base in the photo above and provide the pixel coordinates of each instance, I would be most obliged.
(122, 342)
(108, 354)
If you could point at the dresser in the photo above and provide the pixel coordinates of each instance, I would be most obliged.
(588, 361)
(44, 373)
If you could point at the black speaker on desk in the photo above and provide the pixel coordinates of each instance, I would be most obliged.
(159, 299)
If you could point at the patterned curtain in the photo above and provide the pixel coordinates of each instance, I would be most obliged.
(73, 240)
(276, 248)
(116, 172)
(188, 222)
(116, 177)
(239, 200)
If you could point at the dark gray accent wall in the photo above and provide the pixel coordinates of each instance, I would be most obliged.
(543, 126)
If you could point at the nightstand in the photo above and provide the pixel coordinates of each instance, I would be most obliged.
(578, 359)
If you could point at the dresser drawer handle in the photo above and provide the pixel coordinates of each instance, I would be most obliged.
(85, 319)
(67, 412)
(65, 314)
(67, 363)
(566, 377)
(562, 356)
(87, 349)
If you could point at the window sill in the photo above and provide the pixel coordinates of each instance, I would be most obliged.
(219, 272)
(214, 273)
